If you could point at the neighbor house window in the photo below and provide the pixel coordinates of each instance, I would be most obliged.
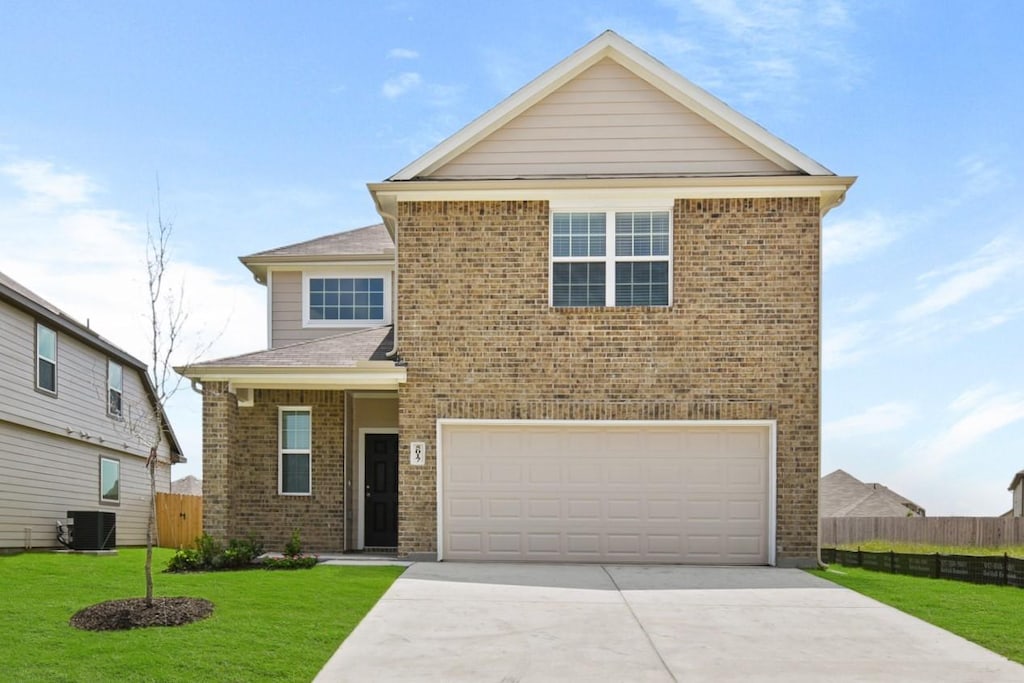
(611, 258)
(115, 388)
(295, 457)
(342, 301)
(110, 480)
(46, 359)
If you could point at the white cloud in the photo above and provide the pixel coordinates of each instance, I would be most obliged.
(400, 84)
(983, 410)
(45, 185)
(844, 346)
(987, 267)
(885, 417)
(402, 53)
(850, 240)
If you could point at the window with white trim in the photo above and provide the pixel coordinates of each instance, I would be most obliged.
(115, 389)
(46, 359)
(611, 258)
(110, 480)
(357, 298)
(295, 458)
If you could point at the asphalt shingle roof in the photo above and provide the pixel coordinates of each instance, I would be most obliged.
(371, 240)
(339, 350)
(843, 495)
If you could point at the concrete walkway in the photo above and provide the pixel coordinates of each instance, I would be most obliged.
(503, 622)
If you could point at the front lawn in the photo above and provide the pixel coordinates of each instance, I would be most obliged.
(991, 616)
(266, 625)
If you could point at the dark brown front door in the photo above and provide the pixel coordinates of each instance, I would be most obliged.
(381, 509)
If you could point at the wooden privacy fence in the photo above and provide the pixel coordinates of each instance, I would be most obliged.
(984, 532)
(179, 520)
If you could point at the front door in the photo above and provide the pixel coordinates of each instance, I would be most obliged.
(381, 509)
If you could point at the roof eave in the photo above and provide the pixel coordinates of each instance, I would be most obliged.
(365, 375)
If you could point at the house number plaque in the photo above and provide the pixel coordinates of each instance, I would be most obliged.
(417, 453)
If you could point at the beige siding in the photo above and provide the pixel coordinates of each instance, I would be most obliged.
(607, 121)
(286, 326)
(50, 445)
(1018, 501)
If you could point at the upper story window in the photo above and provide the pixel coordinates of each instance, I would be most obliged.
(345, 300)
(611, 258)
(46, 359)
(115, 388)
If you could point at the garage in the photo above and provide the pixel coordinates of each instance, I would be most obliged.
(587, 491)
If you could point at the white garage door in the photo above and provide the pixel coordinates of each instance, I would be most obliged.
(602, 492)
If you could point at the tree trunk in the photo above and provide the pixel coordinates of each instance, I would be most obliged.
(150, 526)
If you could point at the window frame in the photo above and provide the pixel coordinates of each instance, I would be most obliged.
(354, 272)
(103, 499)
(119, 413)
(610, 259)
(40, 358)
(282, 451)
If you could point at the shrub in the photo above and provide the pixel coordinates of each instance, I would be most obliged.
(209, 555)
(293, 557)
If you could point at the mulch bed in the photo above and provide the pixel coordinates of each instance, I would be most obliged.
(121, 615)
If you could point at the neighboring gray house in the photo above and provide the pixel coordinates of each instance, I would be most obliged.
(843, 495)
(74, 409)
(1017, 486)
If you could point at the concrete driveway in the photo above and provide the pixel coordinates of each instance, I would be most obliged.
(504, 622)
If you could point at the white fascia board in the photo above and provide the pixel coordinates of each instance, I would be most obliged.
(831, 189)
(364, 378)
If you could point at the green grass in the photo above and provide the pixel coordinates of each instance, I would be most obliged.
(991, 616)
(927, 549)
(266, 625)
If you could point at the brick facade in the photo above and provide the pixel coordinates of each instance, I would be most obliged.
(240, 469)
(741, 340)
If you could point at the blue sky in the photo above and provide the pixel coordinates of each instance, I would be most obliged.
(265, 120)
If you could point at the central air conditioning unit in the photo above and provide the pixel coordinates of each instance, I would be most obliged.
(245, 397)
(92, 530)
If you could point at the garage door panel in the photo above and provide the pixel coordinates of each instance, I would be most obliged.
(633, 494)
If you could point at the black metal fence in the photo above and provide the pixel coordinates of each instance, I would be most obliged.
(1001, 570)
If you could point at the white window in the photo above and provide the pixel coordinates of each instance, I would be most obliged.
(349, 299)
(294, 465)
(46, 359)
(611, 258)
(110, 480)
(115, 388)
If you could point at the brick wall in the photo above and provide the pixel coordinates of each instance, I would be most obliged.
(244, 470)
(740, 341)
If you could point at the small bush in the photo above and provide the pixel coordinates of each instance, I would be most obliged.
(293, 557)
(209, 555)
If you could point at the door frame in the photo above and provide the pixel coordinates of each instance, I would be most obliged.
(361, 508)
(771, 426)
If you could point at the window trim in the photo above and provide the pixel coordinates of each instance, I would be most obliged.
(282, 451)
(103, 499)
(384, 274)
(119, 414)
(610, 259)
(39, 357)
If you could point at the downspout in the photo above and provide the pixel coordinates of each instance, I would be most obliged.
(394, 286)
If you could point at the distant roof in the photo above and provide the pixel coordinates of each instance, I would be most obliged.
(187, 486)
(843, 495)
(22, 297)
(340, 350)
(368, 243)
(1016, 478)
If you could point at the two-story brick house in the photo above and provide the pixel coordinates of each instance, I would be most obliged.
(587, 330)
(76, 421)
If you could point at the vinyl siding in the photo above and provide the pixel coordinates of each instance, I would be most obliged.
(607, 121)
(50, 445)
(286, 324)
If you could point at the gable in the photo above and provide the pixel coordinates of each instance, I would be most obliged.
(607, 121)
